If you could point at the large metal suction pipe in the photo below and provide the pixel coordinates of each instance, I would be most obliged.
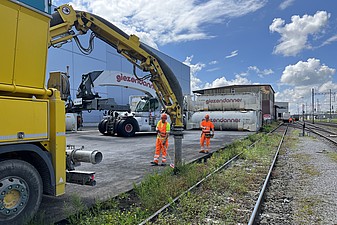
(78, 155)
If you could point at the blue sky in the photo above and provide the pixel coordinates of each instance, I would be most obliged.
(289, 44)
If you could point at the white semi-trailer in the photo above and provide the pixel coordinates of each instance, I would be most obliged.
(225, 102)
(228, 120)
(227, 111)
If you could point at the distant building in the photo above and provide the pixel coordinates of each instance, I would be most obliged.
(280, 108)
(266, 90)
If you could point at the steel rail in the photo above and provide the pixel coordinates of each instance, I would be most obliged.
(324, 123)
(188, 190)
(227, 163)
(314, 130)
(199, 159)
(324, 129)
(257, 207)
(322, 135)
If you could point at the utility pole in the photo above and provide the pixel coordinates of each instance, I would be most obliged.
(313, 105)
(323, 93)
(330, 106)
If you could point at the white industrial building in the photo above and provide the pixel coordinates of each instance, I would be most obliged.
(281, 108)
(105, 57)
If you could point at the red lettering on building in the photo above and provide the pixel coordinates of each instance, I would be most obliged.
(224, 120)
(121, 77)
(223, 100)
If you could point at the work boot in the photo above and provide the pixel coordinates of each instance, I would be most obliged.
(154, 163)
(202, 151)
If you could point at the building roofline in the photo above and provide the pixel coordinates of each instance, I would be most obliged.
(235, 85)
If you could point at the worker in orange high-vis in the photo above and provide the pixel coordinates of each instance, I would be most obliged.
(207, 132)
(163, 129)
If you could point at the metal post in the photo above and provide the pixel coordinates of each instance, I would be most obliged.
(313, 105)
(330, 107)
(178, 137)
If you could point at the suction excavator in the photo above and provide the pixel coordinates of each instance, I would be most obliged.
(34, 158)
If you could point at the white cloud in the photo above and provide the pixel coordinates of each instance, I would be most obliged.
(213, 69)
(233, 53)
(194, 69)
(294, 36)
(285, 4)
(222, 81)
(168, 21)
(293, 94)
(302, 95)
(197, 83)
(326, 87)
(260, 73)
(256, 70)
(330, 40)
(309, 73)
(213, 62)
(303, 77)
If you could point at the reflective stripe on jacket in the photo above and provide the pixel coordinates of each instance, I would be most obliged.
(208, 125)
(163, 129)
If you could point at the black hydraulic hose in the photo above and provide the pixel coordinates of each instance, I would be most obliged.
(170, 76)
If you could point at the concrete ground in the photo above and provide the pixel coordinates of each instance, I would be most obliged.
(125, 162)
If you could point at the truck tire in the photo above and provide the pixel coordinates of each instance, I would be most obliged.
(20, 191)
(102, 126)
(127, 127)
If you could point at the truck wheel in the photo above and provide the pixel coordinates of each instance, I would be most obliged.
(127, 128)
(102, 126)
(20, 191)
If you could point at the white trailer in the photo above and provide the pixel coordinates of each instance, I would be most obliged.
(228, 120)
(225, 102)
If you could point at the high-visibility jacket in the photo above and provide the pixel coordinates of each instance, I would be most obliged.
(163, 129)
(208, 125)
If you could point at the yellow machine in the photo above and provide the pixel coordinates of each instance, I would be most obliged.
(34, 159)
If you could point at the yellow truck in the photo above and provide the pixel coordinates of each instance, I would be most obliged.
(34, 159)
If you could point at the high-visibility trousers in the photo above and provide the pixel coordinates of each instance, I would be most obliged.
(203, 138)
(160, 148)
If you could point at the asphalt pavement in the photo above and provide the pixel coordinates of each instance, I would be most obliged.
(125, 162)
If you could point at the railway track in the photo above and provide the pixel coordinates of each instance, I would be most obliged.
(232, 193)
(301, 190)
(247, 209)
(325, 130)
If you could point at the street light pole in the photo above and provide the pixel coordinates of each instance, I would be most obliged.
(313, 105)
(330, 106)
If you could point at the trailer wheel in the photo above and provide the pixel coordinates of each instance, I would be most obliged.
(20, 191)
(102, 126)
(127, 127)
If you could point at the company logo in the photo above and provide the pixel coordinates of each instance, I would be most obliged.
(223, 100)
(223, 120)
(121, 77)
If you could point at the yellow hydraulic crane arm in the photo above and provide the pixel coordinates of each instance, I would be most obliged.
(67, 24)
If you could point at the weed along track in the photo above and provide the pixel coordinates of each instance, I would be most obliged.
(327, 131)
(223, 189)
(226, 196)
(303, 188)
